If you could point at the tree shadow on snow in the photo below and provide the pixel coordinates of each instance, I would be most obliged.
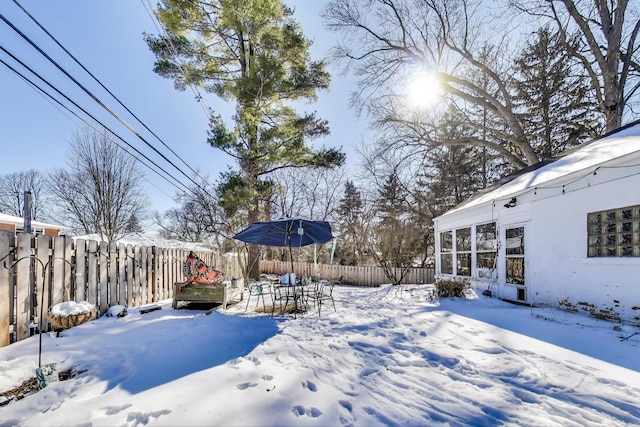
(167, 345)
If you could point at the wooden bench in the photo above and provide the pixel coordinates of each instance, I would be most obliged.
(222, 293)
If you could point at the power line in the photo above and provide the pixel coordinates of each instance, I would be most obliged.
(88, 92)
(167, 42)
(100, 83)
(83, 110)
(160, 28)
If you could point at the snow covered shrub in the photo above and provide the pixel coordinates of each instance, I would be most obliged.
(450, 288)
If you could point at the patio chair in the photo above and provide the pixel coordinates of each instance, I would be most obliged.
(321, 293)
(259, 290)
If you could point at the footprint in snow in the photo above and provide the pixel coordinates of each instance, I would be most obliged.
(142, 419)
(310, 386)
(300, 410)
(245, 386)
(109, 410)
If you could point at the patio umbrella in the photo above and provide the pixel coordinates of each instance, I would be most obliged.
(291, 232)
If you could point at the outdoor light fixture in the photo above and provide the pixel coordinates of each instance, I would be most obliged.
(511, 203)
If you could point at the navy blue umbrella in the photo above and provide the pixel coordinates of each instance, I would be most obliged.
(291, 232)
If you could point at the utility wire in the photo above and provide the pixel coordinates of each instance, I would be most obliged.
(48, 96)
(167, 42)
(102, 85)
(88, 92)
(161, 29)
(80, 108)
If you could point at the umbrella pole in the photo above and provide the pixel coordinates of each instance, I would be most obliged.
(291, 257)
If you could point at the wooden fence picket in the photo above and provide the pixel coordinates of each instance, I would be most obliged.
(6, 296)
(81, 270)
(68, 266)
(59, 270)
(92, 272)
(136, 277)
(102, 277)
(151, 274)
(43, 272)
(352, 275)
(162, 271)
(24, 285)
(120, 297)
(130, 291)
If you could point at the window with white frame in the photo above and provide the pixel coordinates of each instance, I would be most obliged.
(463, 251)
(446, 252)
(34, 230)
(486, 249)
(514, 255)
(614, 232)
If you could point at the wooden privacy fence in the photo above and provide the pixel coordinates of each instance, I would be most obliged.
(59, 270)
(360, 276)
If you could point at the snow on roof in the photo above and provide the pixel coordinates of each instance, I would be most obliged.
(587, 156)
(18, 220)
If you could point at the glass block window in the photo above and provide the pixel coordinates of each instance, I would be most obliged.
(446, 252)
(614, 233)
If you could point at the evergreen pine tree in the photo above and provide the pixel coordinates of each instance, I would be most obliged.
(397, 240)
(556, 110)
(351, 229)
(254, 54)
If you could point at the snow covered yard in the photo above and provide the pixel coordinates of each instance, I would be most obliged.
(384, 358)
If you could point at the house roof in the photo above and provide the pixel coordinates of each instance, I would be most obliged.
(586, 157)
(18, 220)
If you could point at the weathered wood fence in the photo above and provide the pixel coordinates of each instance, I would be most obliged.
(59, 270)
(359, 276)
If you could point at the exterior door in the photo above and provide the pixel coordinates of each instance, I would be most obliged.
(515, 260)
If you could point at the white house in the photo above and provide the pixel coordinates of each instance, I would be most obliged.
(560, 233)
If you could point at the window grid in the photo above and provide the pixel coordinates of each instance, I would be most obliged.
(514, 256)
(446, 252)
(456, 248)
(486, 245)
(614, 232)
(463, 251)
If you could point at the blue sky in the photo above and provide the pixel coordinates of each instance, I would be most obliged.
(106, 37)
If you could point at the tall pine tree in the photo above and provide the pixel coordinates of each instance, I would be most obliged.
(251, 53)
(351, 225)
(557, 111)
(397, 240)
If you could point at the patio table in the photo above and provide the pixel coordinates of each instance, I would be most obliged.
(287, 292)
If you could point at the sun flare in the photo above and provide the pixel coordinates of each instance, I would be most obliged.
(423, 90)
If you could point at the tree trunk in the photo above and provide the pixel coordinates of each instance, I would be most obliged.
(253, 262)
